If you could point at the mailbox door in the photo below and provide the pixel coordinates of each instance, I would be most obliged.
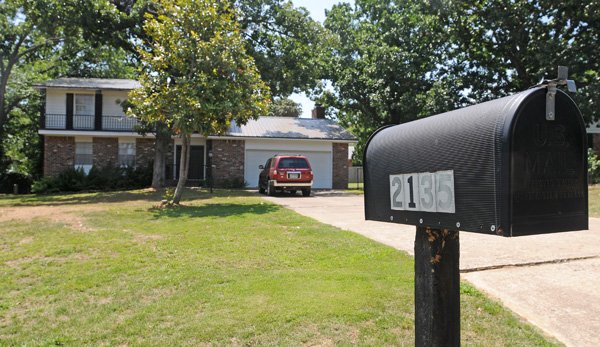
(548, 168)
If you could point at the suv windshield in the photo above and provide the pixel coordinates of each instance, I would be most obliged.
(293, 163)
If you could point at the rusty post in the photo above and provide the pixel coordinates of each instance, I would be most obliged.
(437, 288)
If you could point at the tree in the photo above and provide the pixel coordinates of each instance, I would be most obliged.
(284, 41)
(44, 39)
(286, 44)
(197, 76)
(26, 38)
(386, 65)
(500, 48)
(285, 107)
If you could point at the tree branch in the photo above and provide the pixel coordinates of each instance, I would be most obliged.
(38, 46)
(13, 104)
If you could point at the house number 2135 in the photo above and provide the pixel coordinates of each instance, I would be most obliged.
(423, 191)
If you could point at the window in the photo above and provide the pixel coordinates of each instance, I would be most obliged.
(84, 156)
(83, 111)
(293, 163)
(127, 154)
(84, 104)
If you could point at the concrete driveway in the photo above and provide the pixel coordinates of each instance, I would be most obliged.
(552, 280)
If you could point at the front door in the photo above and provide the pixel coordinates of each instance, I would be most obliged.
(196, 168)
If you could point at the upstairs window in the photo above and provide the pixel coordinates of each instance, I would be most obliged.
(83, 112)
(127, 154)
(84, 104)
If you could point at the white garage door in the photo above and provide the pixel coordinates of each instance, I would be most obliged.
(320, 161)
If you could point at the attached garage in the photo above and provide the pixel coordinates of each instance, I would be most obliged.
(319, 155)
(236, 155)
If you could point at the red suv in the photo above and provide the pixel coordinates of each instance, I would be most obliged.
(285, 172)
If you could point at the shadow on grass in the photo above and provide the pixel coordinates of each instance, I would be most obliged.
(79, 198)
(213, 210)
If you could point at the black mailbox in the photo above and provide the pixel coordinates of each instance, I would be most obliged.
(513, 166)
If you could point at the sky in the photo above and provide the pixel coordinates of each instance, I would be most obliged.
(316, 8)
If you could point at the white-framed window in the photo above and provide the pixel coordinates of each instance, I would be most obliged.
(127, 154)
(84, 104)
(84, 156)
(83, 111)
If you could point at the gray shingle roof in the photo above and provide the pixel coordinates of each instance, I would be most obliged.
(291, 128)
(91, 83)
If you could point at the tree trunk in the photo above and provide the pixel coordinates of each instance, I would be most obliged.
(161, 146)
(183, 169)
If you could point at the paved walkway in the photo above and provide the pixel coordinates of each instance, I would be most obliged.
(551, 280)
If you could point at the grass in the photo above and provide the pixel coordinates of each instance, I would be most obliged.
(356, 188)
(225, 269)
(594, 200)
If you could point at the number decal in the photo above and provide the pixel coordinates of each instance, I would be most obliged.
(444, 186)
(423, 191)
(411, 194)
(396, 192)
(427, 191)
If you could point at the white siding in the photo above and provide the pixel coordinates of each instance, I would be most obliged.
(319, 155)
(56, 101)
(110, 105)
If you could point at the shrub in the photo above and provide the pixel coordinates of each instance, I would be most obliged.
(99, 178)
(593, 166)
(233, 183)
(44, 185)
(70, 180)
(169, 194)
(8, 180)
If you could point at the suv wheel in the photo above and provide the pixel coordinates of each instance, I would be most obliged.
(270, 188)
(306, 192)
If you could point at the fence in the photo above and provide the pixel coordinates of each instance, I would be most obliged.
(355, 177)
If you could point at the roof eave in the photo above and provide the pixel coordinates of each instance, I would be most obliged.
(243, 137)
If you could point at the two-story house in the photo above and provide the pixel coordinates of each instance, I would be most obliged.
(83, 125)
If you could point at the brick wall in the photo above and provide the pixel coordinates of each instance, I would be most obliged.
(227, 160)
(59, 154)
(106, 151)
(144, 152)
(340, 166)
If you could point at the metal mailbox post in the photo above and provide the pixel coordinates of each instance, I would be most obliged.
(512, 166)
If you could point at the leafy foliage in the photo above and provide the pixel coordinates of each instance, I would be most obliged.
(501, 48)
(196, 75)
(386, 66)
(23, 183)
(285, 107)
(394, 62)
(44, 39)
(286, 44)
(593, 166)
(103, 178)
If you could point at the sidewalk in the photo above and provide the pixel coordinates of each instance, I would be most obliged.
(551, 280)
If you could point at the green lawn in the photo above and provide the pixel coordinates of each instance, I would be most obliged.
(594, 200)
(355, 188)
(226, 269)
